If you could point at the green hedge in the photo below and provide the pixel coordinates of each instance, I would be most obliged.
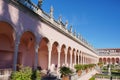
(25, 73)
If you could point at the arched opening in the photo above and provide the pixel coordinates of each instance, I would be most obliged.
(54, 54)
(100, 60)
(108, 60)
(77, 54)
(43, 54)
(26, 56)
(68, 56)
(104, 60)
(6, 45)
(73, 56)
(113, 60)
(80, 58)
(117, 60)
(62, 55)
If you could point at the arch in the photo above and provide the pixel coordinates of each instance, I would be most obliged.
(62, 55)
(43, 53)
(54, 53)
(7, 34)
(80, 57)
(73, 56)
(68, 55)
(100, 60)
(9, 23)
(37, 35)
(117, 60)
(77, 54)
(113, 60)
(26, 54)
(108, 60)
(104, 60)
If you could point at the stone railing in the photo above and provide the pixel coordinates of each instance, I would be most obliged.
(110, 54)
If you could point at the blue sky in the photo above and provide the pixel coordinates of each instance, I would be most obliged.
(98, 21)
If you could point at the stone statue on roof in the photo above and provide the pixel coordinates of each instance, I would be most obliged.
(60, 19)
(70, 28)
(51, 11)
(40, 3)
(66, 24)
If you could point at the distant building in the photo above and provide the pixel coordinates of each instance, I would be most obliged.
(109, 55)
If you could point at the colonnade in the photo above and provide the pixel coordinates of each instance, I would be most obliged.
(29, 40)
(28, 52)
(110, 60)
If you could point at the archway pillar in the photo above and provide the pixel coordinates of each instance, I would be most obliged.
(78, 58)
(59, 57)
(66, 56)
(75, 57)
(71, 58)
(83, 58)
(49, 56)
(86, 59)
(17, 42)
(36, 55)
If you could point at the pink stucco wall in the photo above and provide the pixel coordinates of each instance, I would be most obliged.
(22, 20)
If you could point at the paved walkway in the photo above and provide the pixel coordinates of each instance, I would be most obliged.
(88, 75)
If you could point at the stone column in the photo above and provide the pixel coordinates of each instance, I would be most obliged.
(71, 58)
(81, 58)
(87, 59)
(75, 52)
(17, 42)
(65, 56)
(59, 57)
(36, 56)
(49, 56)
(90, 60)
(84, 58)
(78, 58)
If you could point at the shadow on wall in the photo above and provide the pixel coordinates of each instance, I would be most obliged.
(24, 20)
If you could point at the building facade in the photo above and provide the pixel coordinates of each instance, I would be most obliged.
(30, 37)
(109, 55)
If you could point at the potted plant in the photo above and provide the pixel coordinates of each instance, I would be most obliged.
(100, 64)
(65, 72)
(79, 68)
(85, 67)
